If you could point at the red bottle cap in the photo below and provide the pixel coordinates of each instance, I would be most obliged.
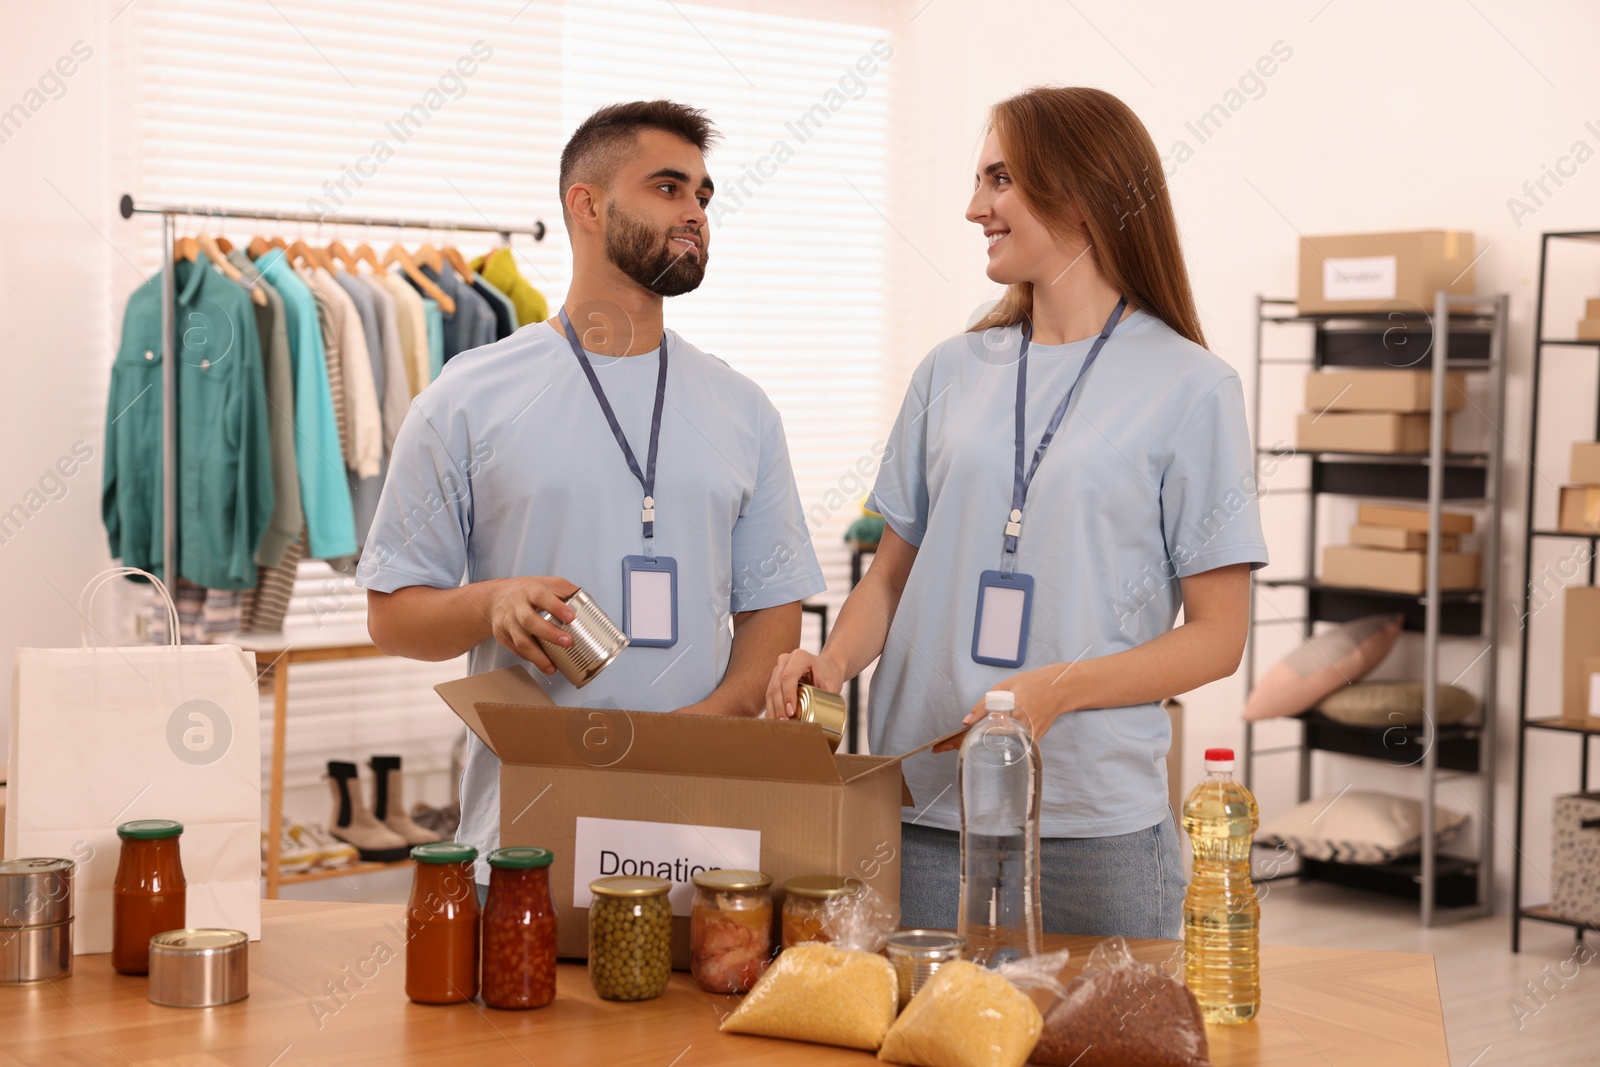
(1219, 753)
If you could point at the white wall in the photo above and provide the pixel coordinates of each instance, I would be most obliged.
(1385, 116)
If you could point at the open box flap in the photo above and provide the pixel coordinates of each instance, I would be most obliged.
(854, 768)
(508, 685)
(550, 736)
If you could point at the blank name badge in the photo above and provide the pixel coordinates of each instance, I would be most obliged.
(1000, 631)
(650, 601)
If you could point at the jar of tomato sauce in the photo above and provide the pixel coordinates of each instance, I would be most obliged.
(442, 925)
(149, 895)
(730, 929)
(519, 930)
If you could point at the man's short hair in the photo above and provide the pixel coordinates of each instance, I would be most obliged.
(597, 145)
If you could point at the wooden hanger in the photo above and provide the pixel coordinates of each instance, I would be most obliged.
(185, 248)
(224, 244)
(258, 247)
(453, 256)
(337, 251)
(365, 254)
(429, 256)
(208, 244)
(398, 254)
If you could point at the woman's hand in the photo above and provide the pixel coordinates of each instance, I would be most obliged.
(1042, 698)
(792, 669)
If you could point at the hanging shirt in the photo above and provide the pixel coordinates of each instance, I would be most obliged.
(1150, 479)
(394, 395)
(360, 393)
(324, 494)
(505, 315)
(471, 325)
(364, 489)
(507, 467)
(499, 269)
(224, 460)
(437, 353)
(413, 332)
(287, 516)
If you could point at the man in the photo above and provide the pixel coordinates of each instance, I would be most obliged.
(538, 456)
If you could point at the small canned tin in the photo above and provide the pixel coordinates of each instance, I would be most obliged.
(827, 710)
(35, 953)
(596, 640)
(199, 968)
(917, 954)
(36, 891)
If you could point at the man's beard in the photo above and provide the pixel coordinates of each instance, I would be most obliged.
(651, 258)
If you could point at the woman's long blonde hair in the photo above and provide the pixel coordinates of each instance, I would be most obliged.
(1084, 148)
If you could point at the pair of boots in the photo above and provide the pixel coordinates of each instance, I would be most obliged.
(384, 833)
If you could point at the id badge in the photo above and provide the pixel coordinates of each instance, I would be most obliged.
(1000, 631)
(650, 601)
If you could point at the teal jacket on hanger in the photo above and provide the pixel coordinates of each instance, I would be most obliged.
(225, 494)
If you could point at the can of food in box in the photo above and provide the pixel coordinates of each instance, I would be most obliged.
(36, 891)
(35, 953)
(199, 968)
(917, 954)
(596, 640)
(827, 710)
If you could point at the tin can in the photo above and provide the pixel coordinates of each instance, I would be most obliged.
(596, 641)
(35, 953)
(827, 710)
(199, 968)
(36, 891)
(917, 954)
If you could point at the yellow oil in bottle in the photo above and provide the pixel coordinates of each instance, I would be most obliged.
(1221, 916)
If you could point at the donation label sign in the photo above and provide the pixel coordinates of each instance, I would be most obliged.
(674, 851)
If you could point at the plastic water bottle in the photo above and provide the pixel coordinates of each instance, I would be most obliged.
(999, 777)
(1221, 916)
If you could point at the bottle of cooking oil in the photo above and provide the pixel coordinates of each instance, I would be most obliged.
(1221, 917)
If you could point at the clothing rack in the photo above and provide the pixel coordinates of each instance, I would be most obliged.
(169, 371)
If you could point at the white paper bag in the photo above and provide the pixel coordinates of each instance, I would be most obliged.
(100, 736)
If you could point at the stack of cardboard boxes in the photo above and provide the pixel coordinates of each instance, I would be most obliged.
(1589, 325)
(1374, 410)
(1580, 498)
(1388, 550)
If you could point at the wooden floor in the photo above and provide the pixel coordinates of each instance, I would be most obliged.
(1480, 982)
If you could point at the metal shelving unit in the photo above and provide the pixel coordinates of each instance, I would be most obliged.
(1587, 729)
(1463, 334)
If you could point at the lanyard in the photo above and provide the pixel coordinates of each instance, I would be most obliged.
(1020, 481)
(647, 477)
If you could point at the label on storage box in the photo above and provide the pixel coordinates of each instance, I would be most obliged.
(606, 847)
(1360, 278)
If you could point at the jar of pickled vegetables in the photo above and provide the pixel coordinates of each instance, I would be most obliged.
(519, 930)
(730, 929)
(630, 937)
(442, 925)
(805, 904)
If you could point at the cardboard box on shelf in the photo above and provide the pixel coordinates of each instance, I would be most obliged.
(1395, 537)
(1396, 571)
(1364, 432)
(1359, 272)
(1382, 390)
(1591, 671)
(1591, 308)
(1580, 509)
(638, 792)
(1589, 329)
(1585, 468)
(1580, 639)
(1410, 517)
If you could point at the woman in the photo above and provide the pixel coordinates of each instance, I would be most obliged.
(1142, 500)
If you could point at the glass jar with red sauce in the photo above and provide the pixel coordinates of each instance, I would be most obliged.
(519, 930)
(149, 895)
(442, 925)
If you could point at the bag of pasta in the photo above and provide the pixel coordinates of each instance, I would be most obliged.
(839, 993)
(969, 1016)
(1122, 1013)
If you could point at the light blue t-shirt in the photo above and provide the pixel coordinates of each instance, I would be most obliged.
(1149, 479)
(505, 466)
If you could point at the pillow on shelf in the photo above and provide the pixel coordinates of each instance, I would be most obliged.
(1323, 665)
(1397, 704)
(1358, 827)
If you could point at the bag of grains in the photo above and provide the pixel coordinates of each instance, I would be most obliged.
(1122, 1013)
(965, 1016)
(840, 993)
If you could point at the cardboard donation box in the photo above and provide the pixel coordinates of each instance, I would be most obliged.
(644, 793)
(1400, 391)
(1580, 641)
(1365, 431)
(1396, 571)
(1359, 272)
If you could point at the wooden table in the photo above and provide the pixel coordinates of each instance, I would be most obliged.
(327, 986)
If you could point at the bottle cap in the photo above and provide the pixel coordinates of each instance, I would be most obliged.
(444, 852)
(1219, 753)
(1000, 700)
(1219, 759)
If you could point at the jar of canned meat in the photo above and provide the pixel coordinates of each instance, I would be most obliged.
(442, 925)
(149, 895)
(730, 929)
(805, 904)
(630, 937)
(519, 930)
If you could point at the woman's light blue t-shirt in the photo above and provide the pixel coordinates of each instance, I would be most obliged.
(505, 467)
(1150, 479)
